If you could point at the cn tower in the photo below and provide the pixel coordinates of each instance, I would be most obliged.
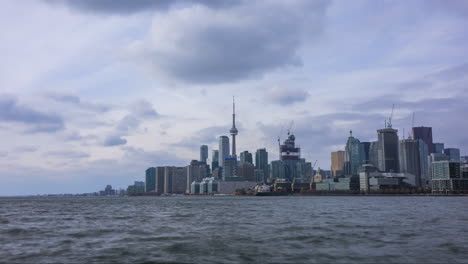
(233, 130)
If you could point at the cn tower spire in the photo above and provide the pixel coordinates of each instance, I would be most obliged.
(233, 131)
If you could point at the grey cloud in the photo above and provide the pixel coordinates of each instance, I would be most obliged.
(125, 7)
(68, 154)
(229, 45)
(285, 96)
(3, 154)
(153, 158)
(449, 74)
(26, 149)
(75, 100)
(128, 123)
(114, 141)
(144, 109)
(139, 111)
(36, 121)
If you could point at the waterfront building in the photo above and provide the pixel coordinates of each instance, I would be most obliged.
(319, 177)
(203, 153)
(230, 187)
(350, 183)
(364, 172)
(150, 179)
(168, 179)
(438, 148)
(464, 159)
(203, 187)
(195, 187)
(229, 169)
(138, 184)
(337, 163)
(175, 179)
(179, 180)
(260, 176)
(108, 191)
(373, 153)
(452, 153)
(370, 179)
(261, 162)
(159, 188)
(425, 134)
(433, 157)
(212, 185)
(137, 188)
(447, 177)
(216, 173)
(290, 154)
(413, 160)
(196, 171)
(277, 170)
(387, 150)
(366, 152)
(354, 155)
(304, 170)
(246, 171)
(223, 149)
(246, 156)
(215, 159)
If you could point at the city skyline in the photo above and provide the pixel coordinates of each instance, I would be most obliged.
(82, 107)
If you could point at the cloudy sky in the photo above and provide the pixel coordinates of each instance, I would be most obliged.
(94, 92)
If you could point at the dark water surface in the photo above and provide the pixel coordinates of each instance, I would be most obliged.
(234, 229)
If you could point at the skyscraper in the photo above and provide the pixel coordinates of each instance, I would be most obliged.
(373, 153)
(354, 154)
(438, 148)
(215, 159)
(233, 130)
(246, 156)
(366, 152)
(337, 162)
(425, 134)
(452, 153)
(196, 171)
(387, 150)
(246, 170)
(160, 171)
(261, 162)
(150, 180)
(223, 149)
(413, 160)
(229, 169)
(203, 153)
(278, 170)
(290, 154)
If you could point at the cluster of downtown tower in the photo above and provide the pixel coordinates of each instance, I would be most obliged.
(388, 163)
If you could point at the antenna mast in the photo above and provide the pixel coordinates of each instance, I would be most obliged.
(390, 118)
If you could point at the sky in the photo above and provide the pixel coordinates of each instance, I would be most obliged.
(94, 92)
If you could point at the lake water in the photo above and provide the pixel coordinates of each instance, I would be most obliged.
(234, 229)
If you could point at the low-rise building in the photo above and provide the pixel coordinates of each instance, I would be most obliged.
(449, 177)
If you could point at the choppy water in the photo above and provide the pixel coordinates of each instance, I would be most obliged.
(234, 229)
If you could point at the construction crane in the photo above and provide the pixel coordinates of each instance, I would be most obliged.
(290, 127)
(412, 124)
(279, 142)
(312, 176)
(389, 124)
